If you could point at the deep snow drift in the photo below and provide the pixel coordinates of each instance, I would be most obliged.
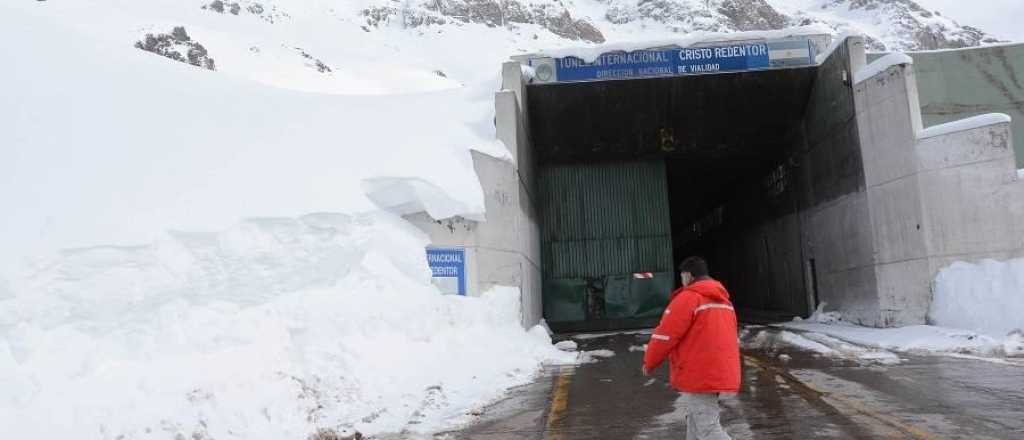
(175, 290)
(273, 329)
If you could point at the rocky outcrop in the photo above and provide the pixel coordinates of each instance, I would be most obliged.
(269, 14)
(313, 62)
(699, 15)
(178, 46)
(753, 15)
(552, 16)
(905, 23)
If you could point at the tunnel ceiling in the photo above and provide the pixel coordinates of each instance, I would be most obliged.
(723, 121)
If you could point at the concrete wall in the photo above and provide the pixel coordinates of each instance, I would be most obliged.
(931, 200)
(505, 249)
(972, 201)
(957, 84)
(812, 208)
(837, 227)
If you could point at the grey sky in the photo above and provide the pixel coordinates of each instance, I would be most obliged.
(1001, 18)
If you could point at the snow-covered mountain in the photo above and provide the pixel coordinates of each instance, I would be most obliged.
(889, 24)
(388, 46)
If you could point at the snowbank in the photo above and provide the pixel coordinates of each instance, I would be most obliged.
(105, 144)
(977, 310)
(987, 297)
(273, 329)
(915, 339)
(155, 281)
(586, 336)
(589, 357)
(778, 341)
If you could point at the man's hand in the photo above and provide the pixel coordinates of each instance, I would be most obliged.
(643, 368)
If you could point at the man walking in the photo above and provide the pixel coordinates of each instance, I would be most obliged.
(698, 334)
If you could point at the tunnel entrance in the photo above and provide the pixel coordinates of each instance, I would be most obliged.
(635, 175)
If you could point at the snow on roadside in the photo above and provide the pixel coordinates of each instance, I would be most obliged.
(567, 345)
(586, 336)
(103, 144)
(589, 357)
(274, 329)
(781, 341)
(977, 310)
(1014, 344)
(986, 297)
(924, 339)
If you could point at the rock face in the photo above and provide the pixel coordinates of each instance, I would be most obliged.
(887, 24)
(895, 24)
(553, 16)
(178, 46)
(698, 15)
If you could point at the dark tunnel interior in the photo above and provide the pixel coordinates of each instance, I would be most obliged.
(635, 175)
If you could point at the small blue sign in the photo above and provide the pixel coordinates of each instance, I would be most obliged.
(448, 266)
(676, 61)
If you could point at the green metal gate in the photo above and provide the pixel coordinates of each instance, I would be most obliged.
(606, 243)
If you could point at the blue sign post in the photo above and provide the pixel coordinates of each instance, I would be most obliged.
(650, 63)
(448, 266)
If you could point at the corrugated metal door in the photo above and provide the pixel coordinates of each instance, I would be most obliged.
(604, 227)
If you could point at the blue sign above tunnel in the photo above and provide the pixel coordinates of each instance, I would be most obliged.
(675, 61)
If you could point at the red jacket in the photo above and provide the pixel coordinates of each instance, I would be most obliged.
(698, 334)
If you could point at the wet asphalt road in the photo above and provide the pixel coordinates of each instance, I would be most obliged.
(805, 396)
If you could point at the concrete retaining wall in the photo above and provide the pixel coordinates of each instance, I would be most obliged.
(931, 200)
(956, 84)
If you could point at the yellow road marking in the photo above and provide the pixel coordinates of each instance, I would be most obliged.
(559, 402)
(809, 391)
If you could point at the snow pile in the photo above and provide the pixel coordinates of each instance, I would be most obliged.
(567, 345)
(821, 316)
(986, 297)
(135, 301)
(923, 339)
(273, 329)
(589, 357)
(105, 144)
(1014, 343)
(637, 333)
(965, 124)
(775, 340)
(977, 310)
(1020, 174)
